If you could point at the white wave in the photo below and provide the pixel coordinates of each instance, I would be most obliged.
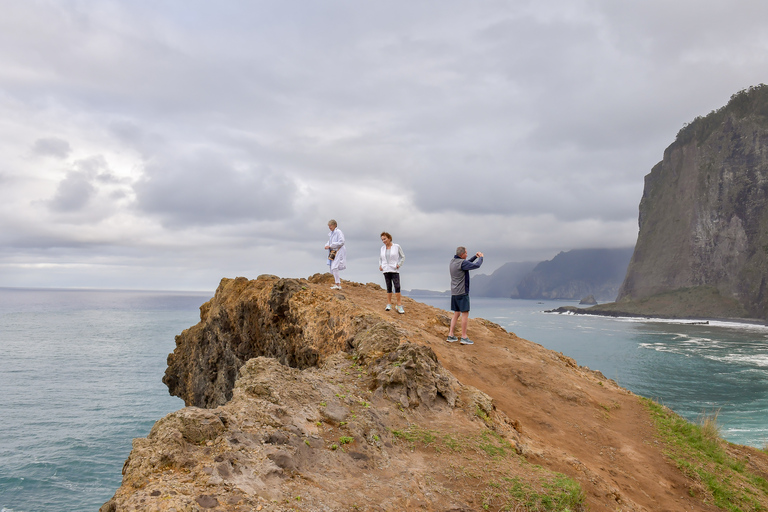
(760, 360)
(663, 347)
(694, 340)
(728, 324)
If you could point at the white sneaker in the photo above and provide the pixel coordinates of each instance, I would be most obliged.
(388, 308)
(336, 287)
(400, 309)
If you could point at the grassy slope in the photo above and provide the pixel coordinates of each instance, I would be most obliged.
(728, 477)
(703, 302)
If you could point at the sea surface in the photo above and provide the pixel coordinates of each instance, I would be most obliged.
(80, 377)
(720, 368)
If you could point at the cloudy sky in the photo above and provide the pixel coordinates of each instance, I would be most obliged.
(150, 144)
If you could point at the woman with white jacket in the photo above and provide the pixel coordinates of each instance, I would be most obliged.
(390, 261)
(337, 253)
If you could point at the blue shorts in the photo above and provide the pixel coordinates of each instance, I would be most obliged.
(460, 303)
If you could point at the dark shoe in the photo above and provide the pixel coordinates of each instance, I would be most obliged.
(451, 339)
(467, 341)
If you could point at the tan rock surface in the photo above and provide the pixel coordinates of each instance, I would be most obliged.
(391, 417)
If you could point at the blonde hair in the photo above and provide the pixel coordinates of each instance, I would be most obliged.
(332, 223)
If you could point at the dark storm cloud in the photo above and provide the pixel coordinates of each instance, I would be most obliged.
(211, 189)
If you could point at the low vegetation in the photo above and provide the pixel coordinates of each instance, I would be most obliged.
(695, 302)
(753, 100)
(698, 450)
(503, 480)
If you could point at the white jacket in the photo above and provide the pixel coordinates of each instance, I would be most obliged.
(336, 241)
(395, 259)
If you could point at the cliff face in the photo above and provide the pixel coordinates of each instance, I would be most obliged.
(305, 398)
(703, 217)
(247, 319)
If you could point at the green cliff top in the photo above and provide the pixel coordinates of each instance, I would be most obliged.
(751, 101)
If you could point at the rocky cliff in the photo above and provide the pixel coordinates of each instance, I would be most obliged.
(576, 274)
(503, 280)
(704, 216)
(569, 275)
(304, 398)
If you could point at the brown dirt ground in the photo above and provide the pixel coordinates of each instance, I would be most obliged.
(601, 436)
(280, 446)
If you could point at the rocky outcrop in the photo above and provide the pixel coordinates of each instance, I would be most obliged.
(291, 438)
(247, 319)
(704, 213)
(308, 399)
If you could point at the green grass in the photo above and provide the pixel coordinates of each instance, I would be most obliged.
(482, 414)
(494, 445)
(558, 494)
(415, 434)
(490, 457)
(700, 453)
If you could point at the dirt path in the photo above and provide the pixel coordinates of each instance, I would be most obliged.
(575, 421)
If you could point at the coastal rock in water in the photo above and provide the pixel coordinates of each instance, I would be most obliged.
(590, 300)
(704, 214)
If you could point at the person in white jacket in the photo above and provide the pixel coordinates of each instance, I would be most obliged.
(390, 261)
(337, 253)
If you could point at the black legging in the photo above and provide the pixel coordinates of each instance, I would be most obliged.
(392, 278)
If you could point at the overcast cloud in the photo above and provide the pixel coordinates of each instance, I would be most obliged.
(165, 145)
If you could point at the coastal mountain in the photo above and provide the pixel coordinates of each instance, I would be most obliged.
(576, 274)
(502, 282)
(304, 398)
(572, 275)
(702, 247)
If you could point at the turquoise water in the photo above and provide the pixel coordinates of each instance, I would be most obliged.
(80, 377)
(694, 369)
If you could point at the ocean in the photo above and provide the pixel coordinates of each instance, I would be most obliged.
(720, 368)
(80, 377)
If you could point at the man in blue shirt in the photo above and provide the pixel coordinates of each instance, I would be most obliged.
(459, 268)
